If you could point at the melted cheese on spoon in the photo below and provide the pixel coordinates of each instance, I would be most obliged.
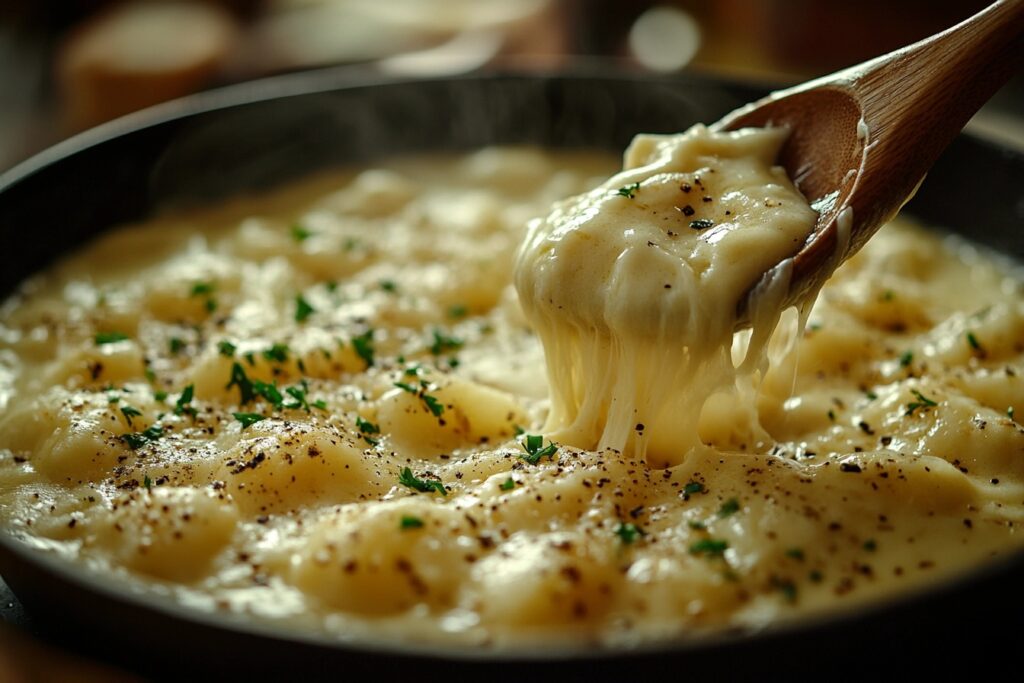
(633, 287)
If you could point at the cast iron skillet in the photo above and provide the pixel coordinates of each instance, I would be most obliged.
(245, 138)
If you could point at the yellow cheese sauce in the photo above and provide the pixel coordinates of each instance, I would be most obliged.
(324, 408)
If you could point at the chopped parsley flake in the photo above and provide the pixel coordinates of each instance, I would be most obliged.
(110, 337)
(226, 348)
(870, 545)
(278, 353)
(302, 309)
(248, 419)
(457, 311)
(433, 405)
(693, 487)
(906, 359)
(832, 415)
(139, 439)
(299, 394)
(407, 479)
(175, 345)
(628, 533)
(410, 522)
(211, 305)
(431, 402)
(147, 483)
(389, 286)
(628, 191)
(729, 507)
(696, 524)
(709, 547)
(535, 449)
(973, 341)
(241, 380)
(184, 402)
(508, 484)
(159, 395)
(922, 402)
(268, 391)
(367, 427)
(795, 553)
(702, 224)
(363, 345)
(130, 412)
(443, 343)
(319, 404)
(300, 233)
(202, 289)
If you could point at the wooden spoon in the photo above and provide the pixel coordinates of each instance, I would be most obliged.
(862, 139)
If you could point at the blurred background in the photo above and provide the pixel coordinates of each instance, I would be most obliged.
(66, 65)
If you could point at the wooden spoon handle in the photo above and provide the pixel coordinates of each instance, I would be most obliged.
(916, 100)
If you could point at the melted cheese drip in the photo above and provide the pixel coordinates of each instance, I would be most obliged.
(633, 287)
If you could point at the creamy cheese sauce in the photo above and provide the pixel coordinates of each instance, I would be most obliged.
(221, 407)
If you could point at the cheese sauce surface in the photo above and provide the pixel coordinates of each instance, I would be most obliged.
(326, 408)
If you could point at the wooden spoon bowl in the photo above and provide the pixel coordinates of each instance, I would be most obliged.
(862, 139)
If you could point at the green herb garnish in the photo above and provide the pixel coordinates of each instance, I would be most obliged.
(302, 309)
(628, 190)
(389, 286)
(184, 402)
(535, 449)
(367, 427)
(906, 359)
(457, 311)
(508, 484)
(729, 507)
(277, 353)
(130, 412)
(202, 289)
(702, 224)
(248, 419)
(795, 553)
(973, 341)
(300, 234)
(709, 546)
(431, 402)
(110, 337)
(870, 545)
(443, 343)
(922, 402)
(226, 348)
(175, 345)
(241, 380)
(363, 345)
(139, 439)
(299, 394)
(693, 487)
(628, 532)
(147, 483)
(410, 522)
(407, 479)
